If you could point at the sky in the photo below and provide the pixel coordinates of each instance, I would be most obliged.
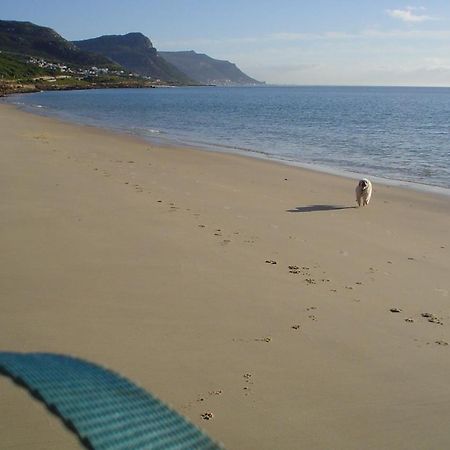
(317, 42)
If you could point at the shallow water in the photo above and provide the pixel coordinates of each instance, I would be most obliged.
(396, 133)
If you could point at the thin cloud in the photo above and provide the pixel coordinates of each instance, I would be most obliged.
(329, 35)
(286, 67)
(274, 38)
(407, 34)
(409, 14)
(367, 34)
(290, 36)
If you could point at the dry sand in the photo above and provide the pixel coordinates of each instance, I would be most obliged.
(159, 263)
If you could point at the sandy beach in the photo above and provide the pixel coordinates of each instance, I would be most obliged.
(241, 287)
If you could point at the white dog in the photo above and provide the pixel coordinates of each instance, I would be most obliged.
(363, 192)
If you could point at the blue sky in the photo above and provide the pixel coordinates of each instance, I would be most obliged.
(347, 42)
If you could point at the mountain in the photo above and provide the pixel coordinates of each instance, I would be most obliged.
(28, 39)
(135, 52)
(207, 70)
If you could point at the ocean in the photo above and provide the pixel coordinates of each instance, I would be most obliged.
(398, 135)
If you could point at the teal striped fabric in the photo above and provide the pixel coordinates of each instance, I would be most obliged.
(106, 410)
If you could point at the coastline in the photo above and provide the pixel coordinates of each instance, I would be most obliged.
(169, 139)
(245, 153)
(159, 263)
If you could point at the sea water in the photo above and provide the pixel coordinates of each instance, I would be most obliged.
(394, 133)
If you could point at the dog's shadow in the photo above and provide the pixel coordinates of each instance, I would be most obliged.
(315, 208)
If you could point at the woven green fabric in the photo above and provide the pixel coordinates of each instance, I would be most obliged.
(107, 411)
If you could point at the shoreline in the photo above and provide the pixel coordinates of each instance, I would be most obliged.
(167, 265)
(247, 153)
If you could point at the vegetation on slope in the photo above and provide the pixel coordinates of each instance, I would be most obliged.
(28, 39)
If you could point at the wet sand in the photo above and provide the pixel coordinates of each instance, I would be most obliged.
(243, 288)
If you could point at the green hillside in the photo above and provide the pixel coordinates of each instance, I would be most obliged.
(13, 66)
(28, 39)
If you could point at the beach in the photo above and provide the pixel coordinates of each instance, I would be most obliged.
(242, 287)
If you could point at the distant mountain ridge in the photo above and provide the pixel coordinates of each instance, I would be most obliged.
(28, 39)
(208, 70)
(135, 52)
(131, 52)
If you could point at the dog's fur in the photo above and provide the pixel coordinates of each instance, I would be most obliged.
(363, 192)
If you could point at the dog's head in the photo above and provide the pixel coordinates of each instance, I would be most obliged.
(363, 184)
